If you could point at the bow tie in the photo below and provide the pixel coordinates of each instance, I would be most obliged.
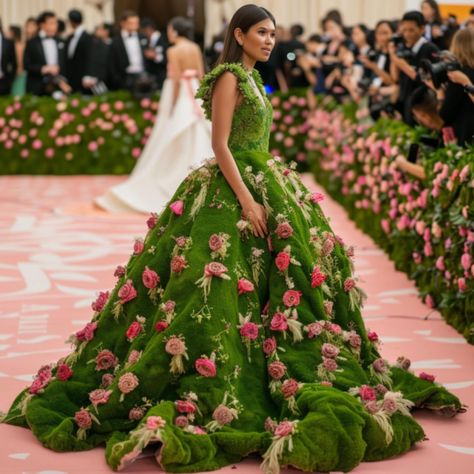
(132, 35)
(44, 38)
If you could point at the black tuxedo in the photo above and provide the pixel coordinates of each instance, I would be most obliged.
(118, 62)
(79, 65)
(99, 60)
(8, 65)
(34, 59)
(157, 67)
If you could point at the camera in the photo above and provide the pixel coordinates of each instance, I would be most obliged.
(384, 105)
(372, 55)
(401, 50)
(143, 86)
(427, 142)
(438, 71)
(364, 84)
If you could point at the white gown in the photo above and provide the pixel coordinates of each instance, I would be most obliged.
(180, 141)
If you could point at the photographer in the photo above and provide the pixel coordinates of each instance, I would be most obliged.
(405, 57)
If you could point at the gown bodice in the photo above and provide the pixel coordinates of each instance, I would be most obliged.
(252, 117)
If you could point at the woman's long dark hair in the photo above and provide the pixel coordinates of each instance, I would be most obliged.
(435, 7)
(244, 18)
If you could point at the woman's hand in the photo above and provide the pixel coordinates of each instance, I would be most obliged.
(255, 213)
(459, 77)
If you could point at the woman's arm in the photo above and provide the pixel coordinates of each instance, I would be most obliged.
(411, 168)
(224, 100)
(171, 56)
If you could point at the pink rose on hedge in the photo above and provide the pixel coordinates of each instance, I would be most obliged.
(128, 382)
(249, 330)
(181, 421)
(292, 298)
(119, 271)
(127, 292)
(64, 372)
(175, 346)
(367, 393)
(178, 264)
(152, 221)
(138, 247)
(160, 326)
(136, 414)
(215, 242)
(317, 277)
(184, 406)
(289, 388)
(462, 284)
(428, 377)
(282, 261)
(99, 396)
(284, 428)
(244, 286)
(105, 360)
(83, 419)
(329, 350)
(269, 346)
(87, 333)
(466, 261)
(440, 264)
(429, 301)
(155, 422)
(205, 367)
(133, 330)
(314, 329)
(276, 370)
(279, 322)
(216, 269)
(100, 302)
(177, 207)
(150, 278)
(284, 230)
(223, 415)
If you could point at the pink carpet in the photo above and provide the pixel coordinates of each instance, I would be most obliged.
(53, 263)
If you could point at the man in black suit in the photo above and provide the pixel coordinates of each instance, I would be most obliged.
(78, 52)
(126, 59)
(8, 63)
(44, 57)
(155, 52)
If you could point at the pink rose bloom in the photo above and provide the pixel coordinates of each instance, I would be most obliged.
(107, 380)
(390, 406)
(329, 350)
(278, 322)
(373, 336)
(216, 269)
(466, 261)
(138, 247)
(244, 286)
(428, 377)
(270, 425)
(177, 207)
(317, 198)
(317, 277)
(105, 360)
(160, 326)
(328, 247)
(440, 264)
(223, 415)
(403, 362)
(371, 406)
(416, 257)
(181, 242)
(335, 328)
(136, 414)
(269, 346)
(328, 306)
(99, 396)
(152, 221)
(178, 264)
(133, 331)
(382, 389)
(181, 421)
(428, 249)
(367, 393)
(379, 366)
(314, 329)
(169, 306)
(199, 431)
(119, 271)
(249, 330)
(285, 428)
(128, 382)
(127, 292)
(36, 387)
(205, 367)
(326, 383)
(134, 356)
(349, 284)
(385, 224)
(282, 261)
(184, 406)
(215, 242)
(284, 230)
(289, 388)
(150, 278)
(44, 374)
(99, 303)
(462, 284)
(175, 346)
(355, 340)
(87, 334)
(291, 298)
(429, 301)
(64, 372)
(155, 422)
(83, 419)
(329, 364)
(276, 370)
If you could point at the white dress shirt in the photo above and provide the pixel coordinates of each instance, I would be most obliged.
(134, 52)
(74, 40)
(154, 38)
(50, 49)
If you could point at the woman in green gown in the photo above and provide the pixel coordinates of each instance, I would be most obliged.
(235, 326)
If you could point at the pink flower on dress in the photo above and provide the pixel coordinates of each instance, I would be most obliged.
(160, 326)
(284, 230)
(249, 330)
(184, 406)
(335, 328)
(373, 336)
(105, 360)
(328, 247)
(223, 415)
(216, 269)
(87, 333)
(329, 350)
(205, 367)
(326, 383)
(152, 221)
(175, 346)
(107, 380)
(355, 340)
(181, 242)
(136, 413)
(278, 322)
(100, 302)
(382, 389)
(276, 370)
(181, 421)
(119, 271)
(291, 298)
(284, 428)
(169, 306)
(178, 264)
(289, 388)
(390, 406)
(282, 261)
(367, 393)
(155, 423)
(317, 277)
(36, 387)
(133, 331)
(269, 346)
(83, 419)
(64, 372)
(270, 425)
(99, 396)
(177, 207)
(317, 198)
(215, 242)
(128, 382)
(371, 406)
(244, 286)
(349, 284)
(127, 292)
(380, 366)
(314, 329)
(150, 278)
(328, 306)
(428, 377)
(134, 356)
(138, 247)
(329, 364)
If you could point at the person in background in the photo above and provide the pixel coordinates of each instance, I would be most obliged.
(19, 83)
(470, 20)
(43, 58)
(155, 52)
(458, 77)
(293, 48)
(312, 65)
(61, 29)
(8, 63)
(31, 28)
(79, 51)
(434, 28)
(334, 36)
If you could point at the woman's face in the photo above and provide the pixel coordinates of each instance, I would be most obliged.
(358, 37)
(427, 11)
(171, 33)
(259, 40)
(382, 35)
(333, 30)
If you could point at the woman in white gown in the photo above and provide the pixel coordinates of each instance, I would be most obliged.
(181, 136)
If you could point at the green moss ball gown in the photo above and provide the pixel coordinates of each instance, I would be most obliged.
(215, 344)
